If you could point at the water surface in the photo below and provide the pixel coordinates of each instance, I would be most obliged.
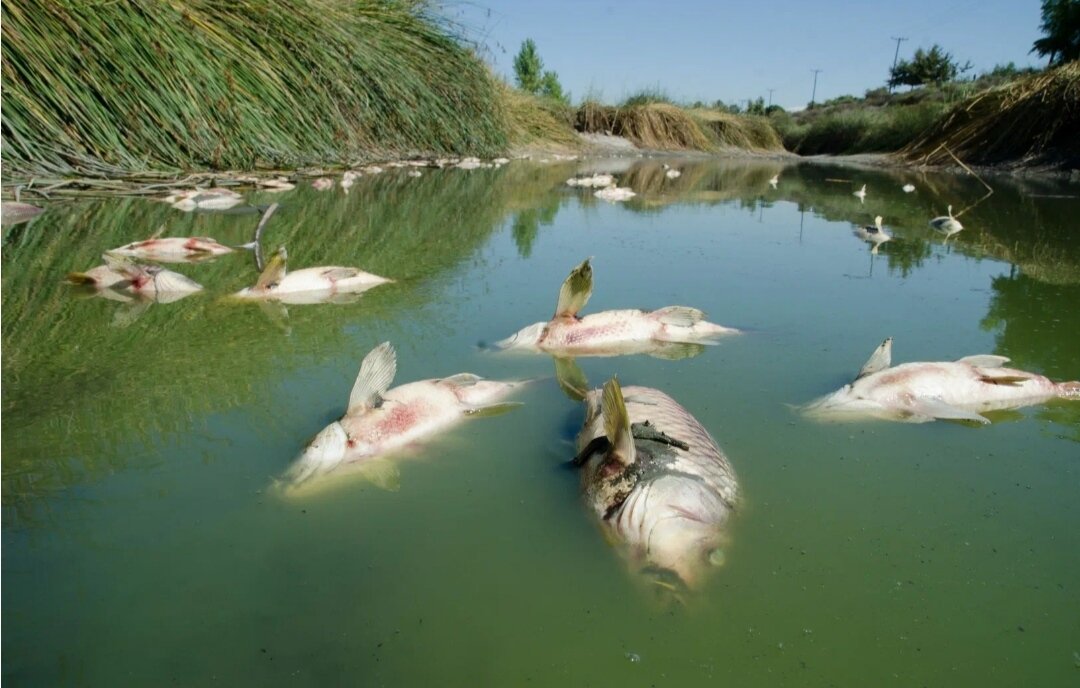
(143, 544)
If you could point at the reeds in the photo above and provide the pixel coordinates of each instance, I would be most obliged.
(104, 88)
(747, 132)
(1034, 119)
(655, 125)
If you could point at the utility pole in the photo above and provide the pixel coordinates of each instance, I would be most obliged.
(770, 90)
(899, 40)
(814, 93)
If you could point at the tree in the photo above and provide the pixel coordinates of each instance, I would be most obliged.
(756, 107)
(932, 66)
(528, 67)
(1061, 26)
(551, 88)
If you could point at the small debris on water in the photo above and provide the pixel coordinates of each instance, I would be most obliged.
(633, 657)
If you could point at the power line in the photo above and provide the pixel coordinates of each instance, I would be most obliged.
(899, 40)
(770, 90)
(814, 92)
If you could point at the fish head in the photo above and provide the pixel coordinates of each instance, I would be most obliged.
(480, 392)
(526, 338)
(325, 452)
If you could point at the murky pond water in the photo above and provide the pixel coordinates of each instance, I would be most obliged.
(143, 544)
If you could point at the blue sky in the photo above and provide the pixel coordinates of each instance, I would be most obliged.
(738, 49)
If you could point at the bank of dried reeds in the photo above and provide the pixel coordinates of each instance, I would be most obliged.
(108, 88)
(1033, 120)
(659, 126)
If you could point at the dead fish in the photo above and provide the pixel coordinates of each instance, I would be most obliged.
(947, 224)
(922, 392)
(13, 213)
(204, 199)
(861, 193)
(173, 249)
(322, 184)
(381, 421)
(310, 285)
(615, 194)
(657, 482)
(128, 277)
(611, 333)
(597, 180)
(873, 234)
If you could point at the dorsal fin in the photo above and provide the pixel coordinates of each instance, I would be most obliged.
(878, 361)
(576, 290)
(376, 373)
(617, 423)
(123, 265)
(274, 271)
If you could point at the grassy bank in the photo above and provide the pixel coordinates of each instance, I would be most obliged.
(108, 88)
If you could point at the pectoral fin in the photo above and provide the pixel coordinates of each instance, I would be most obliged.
(492, 410)
(1007, 380)
(376, 373)
(274, 271)
(382, 473)
(984, 360)
(936, 408)
(679, 316)
(878, 361)
(575, 291)
(617, 423)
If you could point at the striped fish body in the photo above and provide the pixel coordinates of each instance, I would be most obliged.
(173, 249)
(669, 507)
(315, 285)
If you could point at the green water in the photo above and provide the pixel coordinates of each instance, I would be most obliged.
(142, 544)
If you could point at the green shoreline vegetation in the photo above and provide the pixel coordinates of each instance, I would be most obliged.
(114, 90)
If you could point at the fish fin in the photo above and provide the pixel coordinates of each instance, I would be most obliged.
(492, 410)
(936, 408)
(125, 266)
(679, 316)
(984, 360)
(676, 351)
(376, 373)
(1006, 380)
(576, 290)
(462, 380)
(571, 378)
(159, 232)
(80, 278)
(617, 423)
(382, 473)
(274, 270)
(878, 361)
(340, 273)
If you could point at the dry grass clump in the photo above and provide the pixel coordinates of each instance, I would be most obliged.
(746, 132)
(532, 118)
(1035, 119)
(104, 88)
(660, 126)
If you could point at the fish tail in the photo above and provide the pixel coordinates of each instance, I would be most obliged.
(80, 278)
(1069, 390)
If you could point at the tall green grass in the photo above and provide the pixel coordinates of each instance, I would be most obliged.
(863, 130)
(97, 88)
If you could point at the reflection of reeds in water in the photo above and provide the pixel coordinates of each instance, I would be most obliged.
(701, 181)
(77, 388)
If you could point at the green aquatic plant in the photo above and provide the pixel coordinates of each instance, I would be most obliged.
(107, 88)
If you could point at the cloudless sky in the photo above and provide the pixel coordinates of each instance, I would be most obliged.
(737, 49)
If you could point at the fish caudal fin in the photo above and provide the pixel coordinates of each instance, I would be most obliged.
(80, 278)
(679, 316)
(879, 360)
(617, 423)
(376, 373)
(576, 290)
(274, 271)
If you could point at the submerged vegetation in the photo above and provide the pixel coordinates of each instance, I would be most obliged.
(106, 88)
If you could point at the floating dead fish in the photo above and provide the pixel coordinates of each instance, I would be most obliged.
(597, 180)
(774, 181)
(276, 185)
(204, 199)
(173, 249)
(861, 193)
(381, 421)
(469, 164)
(614, 194)
(13, 213)
(414, 173)
(322, 184)
(947, 224)
(908, 188)
(309, 285)
(128, 277)
(673, 174)
(874, 234)
(657, 482)
(348, 179)
(922, 392)
(611, 333)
